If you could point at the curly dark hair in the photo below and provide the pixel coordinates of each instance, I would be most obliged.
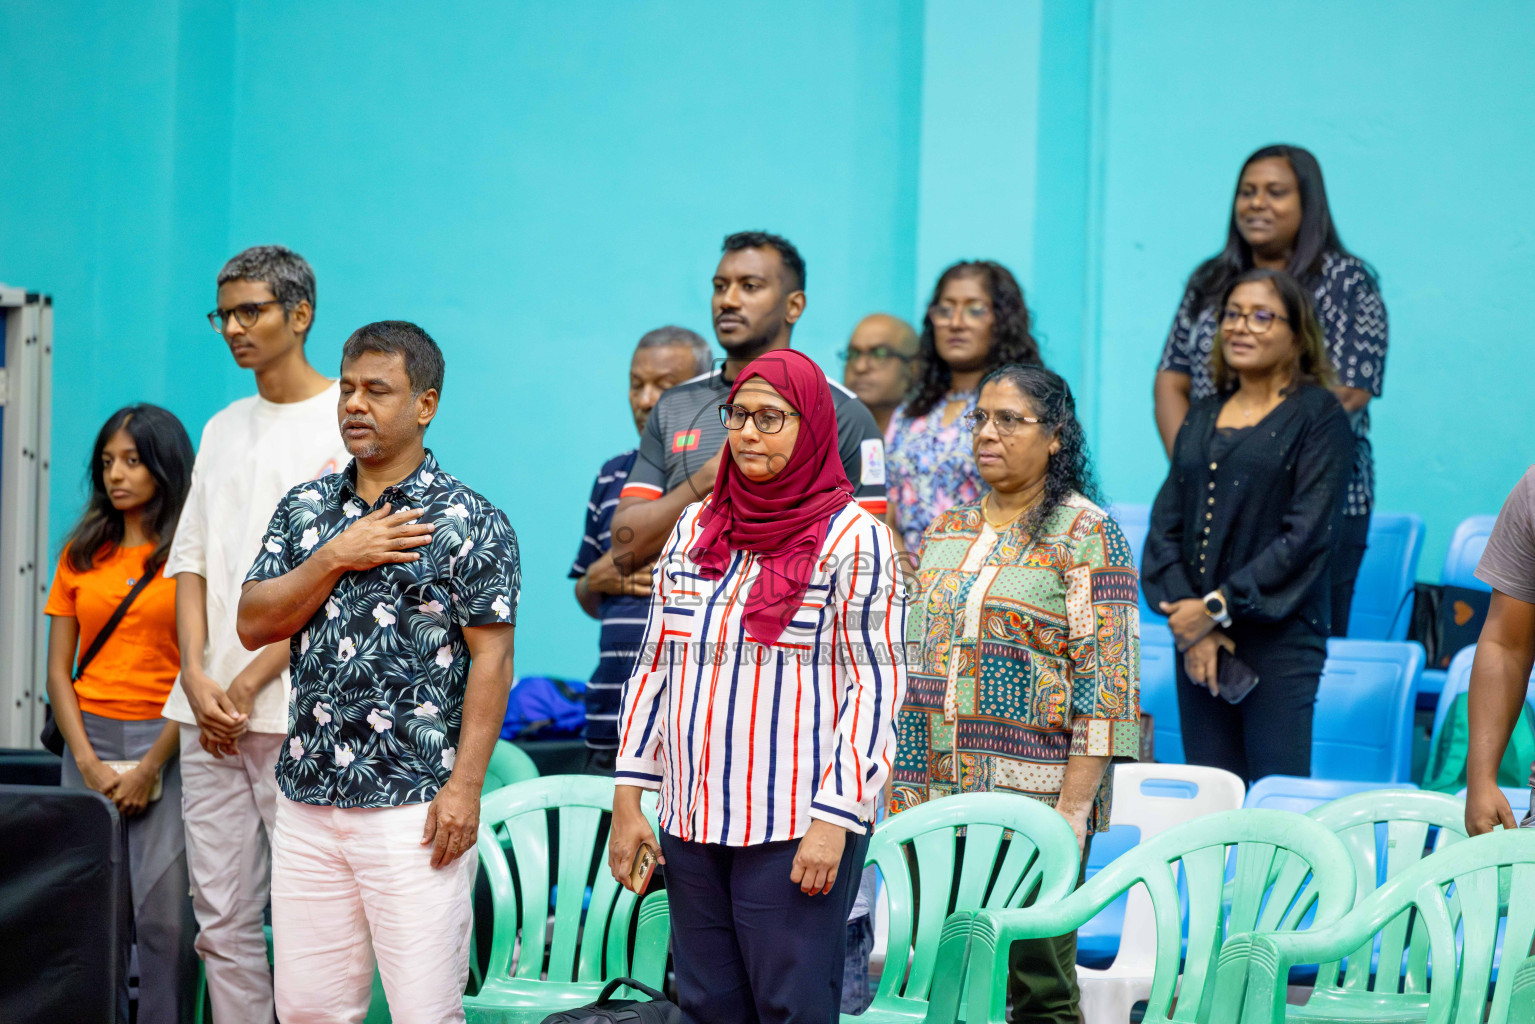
(1011, 340)
(1070, 468)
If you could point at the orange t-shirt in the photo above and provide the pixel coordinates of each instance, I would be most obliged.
(133, 673)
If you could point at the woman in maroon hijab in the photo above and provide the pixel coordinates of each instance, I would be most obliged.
(763, 709)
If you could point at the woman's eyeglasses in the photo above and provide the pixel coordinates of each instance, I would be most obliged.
(1005, 422)
(1258, 321)
(975, 312)
(246, 312)
(768, 421)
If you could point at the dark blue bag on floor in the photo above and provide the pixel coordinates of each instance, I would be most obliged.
(545, 708)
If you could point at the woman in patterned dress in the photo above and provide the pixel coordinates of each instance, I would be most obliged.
(976, 322)
(1025, 612)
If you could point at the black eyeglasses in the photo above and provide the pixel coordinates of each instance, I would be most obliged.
(246, 312)
(1258, 321)
(879, 353)
(1004, 421)
(768, 421)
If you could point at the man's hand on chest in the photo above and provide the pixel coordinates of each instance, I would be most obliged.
(382, 537)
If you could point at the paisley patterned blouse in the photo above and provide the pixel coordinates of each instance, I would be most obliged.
(929, 468)
(1029, 653)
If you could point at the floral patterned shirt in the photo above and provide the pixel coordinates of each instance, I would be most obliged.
(929, 468)
(379, 672)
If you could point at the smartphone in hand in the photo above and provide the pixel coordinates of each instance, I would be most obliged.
(643, 867)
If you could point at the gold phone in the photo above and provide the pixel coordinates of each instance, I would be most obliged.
(644, 866)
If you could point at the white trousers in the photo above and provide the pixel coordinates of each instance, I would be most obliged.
(351, 888)
(229, 806)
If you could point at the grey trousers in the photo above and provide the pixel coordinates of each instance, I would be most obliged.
(163, 925)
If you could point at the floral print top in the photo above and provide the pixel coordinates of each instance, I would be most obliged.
(929, 468)
(379, 672)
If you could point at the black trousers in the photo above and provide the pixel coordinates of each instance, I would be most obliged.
(748, 946)
(1347, 555)
(1269, 733)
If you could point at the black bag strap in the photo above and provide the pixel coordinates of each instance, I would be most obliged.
(614, 985)
(145, 578)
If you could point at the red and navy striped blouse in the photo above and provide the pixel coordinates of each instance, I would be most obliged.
(748, 742)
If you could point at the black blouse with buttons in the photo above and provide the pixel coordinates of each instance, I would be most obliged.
(1252, 511)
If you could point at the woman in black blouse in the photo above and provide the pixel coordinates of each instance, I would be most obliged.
(1237, 554)
(1280, 219)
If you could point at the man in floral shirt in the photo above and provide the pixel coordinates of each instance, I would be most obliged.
(396, 587)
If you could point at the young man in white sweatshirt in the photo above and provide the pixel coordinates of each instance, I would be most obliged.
(232, 703)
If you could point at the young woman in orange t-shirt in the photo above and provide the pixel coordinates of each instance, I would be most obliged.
(141, 469)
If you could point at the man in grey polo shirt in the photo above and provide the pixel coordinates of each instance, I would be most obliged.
(759, 294)
(1505, 653)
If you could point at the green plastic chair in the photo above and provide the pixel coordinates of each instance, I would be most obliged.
(1406, 817)
(1521, 1005)
(1458, 896)
(508, 764)
(563, 961)
(1016, 850)
(1274, 850)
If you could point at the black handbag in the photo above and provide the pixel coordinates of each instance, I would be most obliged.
(607, 1010)
(51, 738)
(1446, 618)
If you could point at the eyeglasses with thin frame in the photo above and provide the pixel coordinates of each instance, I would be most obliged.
(1006, 422)
(975, 312)
(1258, 321)
(767, 421)
(247, 313)
(879, 353)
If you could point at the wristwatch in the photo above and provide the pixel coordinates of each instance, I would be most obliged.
(1215, 606)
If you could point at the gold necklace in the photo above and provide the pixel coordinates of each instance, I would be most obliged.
(1008, 521)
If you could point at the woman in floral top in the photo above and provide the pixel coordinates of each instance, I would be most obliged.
(1025, 616)
(977, 322)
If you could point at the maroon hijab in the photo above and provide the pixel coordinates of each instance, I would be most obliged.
(783, 520)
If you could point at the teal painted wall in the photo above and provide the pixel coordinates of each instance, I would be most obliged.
(1419, 113)
(538, 183)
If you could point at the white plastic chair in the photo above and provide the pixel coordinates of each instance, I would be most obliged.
(1152, 798)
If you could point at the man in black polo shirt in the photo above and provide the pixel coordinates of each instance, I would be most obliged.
(397, 587)
(759, 293)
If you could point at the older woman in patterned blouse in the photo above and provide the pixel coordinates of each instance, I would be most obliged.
(1026, 616)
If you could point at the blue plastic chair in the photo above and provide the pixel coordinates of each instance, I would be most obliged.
(1364, 709)
(1159, 691)
(1293, 793)
(1466, 547)
(1098, 939)
(1383, 591)
(1135, 522)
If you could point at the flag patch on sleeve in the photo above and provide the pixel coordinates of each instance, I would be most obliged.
(873, 461)
(685, 440)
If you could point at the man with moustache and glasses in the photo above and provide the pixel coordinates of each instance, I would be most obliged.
(759, 294)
